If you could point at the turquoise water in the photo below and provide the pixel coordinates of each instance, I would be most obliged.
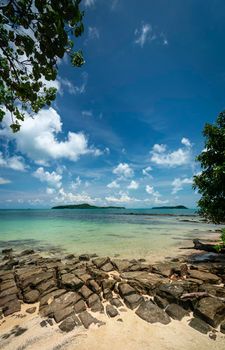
(128, 233)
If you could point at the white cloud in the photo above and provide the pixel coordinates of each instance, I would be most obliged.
(182, 156)
(4, 181)
(122, 198)
(186, 142)
(155, 195)
(53, 179)
(50, 190)
(178, 184)
(69, 197)
(149, 189)
(14, 163)
(123, 170)
(76, 183)
(71, 88)
(89, 3)
(38, 139)
(146, 34)
(93, 33)
(133, 185)
(113, 184)
(87, 113)
(146, 171)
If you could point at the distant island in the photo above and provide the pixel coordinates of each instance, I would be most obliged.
(172, 207)
(83, 206)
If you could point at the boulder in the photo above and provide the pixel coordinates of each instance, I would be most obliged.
(67, 325)
(31, 310)
(144, 282)
(116, 302)
(199, 325)
(84, 257)
(207, 277)
(61, 313)
(152, 313)
(93, 285)
(97, 307)
(222, 328)
(111, 311)
(133, 300)
(79, 306)
(51, 296)
(11, 307)
(99, 262)
(122, 265)
(107, 267)
(31, 296)
(27, 252)
(176, 312)
(9, 291)
(210, 310)
(85, 292)
(170, 291)
(162, 303)
(7, 284)
(125, 289)
(92, 299)
(87, 319)
(70, 281)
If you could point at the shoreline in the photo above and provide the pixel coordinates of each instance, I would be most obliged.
(90, 302)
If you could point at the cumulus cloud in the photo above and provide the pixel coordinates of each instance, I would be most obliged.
(133, 185)
(146, 34)
(123, 170)
(53, 179)
(14, 163)
(89, 3)
(181, 156)
(178, 184)
(38, 139)
(113, 184)
(155, 195)
(4, 181)
(69, 197)
(121, 198)
(75, 184)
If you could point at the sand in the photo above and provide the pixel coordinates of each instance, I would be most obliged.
(131, 334)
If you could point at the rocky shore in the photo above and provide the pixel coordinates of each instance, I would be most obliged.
(78, 291)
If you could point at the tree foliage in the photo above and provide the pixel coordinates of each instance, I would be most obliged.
(211, 181)
(34, 34)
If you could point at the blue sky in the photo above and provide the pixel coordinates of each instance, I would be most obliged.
(125, 128)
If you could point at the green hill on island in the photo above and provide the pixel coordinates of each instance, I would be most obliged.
(171, 207)
(83, 206)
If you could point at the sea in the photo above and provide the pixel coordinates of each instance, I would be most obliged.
(124, 233)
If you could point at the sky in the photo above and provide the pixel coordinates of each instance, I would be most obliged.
(125, 128)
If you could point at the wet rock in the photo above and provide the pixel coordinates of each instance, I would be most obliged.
(199, 325)
(79, 306)
(31, 310)
(70, 281)
(107, 267)
(116, 302)
(210, 310)
(176, 312)
(84, 257)
(7, 251)
(207, 277)
(152, 313)
(99, 262)
(133, 300)
(170, 291)
(31, 296)
(67, 325)
(70, 256)
(111, 311)
(125, 289)
(87, 319)
(162, 303)
(27, 252)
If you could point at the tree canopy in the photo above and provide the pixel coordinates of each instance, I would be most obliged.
(211, 181)
(34, 35)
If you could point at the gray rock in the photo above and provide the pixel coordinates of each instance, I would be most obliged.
(69, 280)
(222, 328)
(31, 310)
(61, 313)
(97, 307)
(84, 257)
(116, 302)
(27, 252)
(11, 307)
(199, 325)
(111, 311)
(87, 319)
(9, 291)
(152, 313)
(122, 265)
(144, 282)
(107, 267)
(92, 299)
(31, 296)
(79, 306)
(162, 303)
(51, 296)
(67, 325)
(93, 285)
(85, 292)
(207, 277)
(170, 291)
(7, 251)
(176, 312)
(125, 289)
(99, 262)
(210, 310)
(133, 300)
(7, 284)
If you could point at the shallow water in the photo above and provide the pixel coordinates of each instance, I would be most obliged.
(105, 232)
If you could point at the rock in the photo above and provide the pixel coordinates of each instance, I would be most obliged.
(211, 310)
(152, 313)
(207, 277)
(97, 307)
(183, 270)
(107, 267)
(87, 319)
(170, 291)
(212, 335)
(162, 303)
(116, 302)
(111, 311)
(6, 275)
(69, 280)
(67, 325)
(99, 262)
(176, 312)
(165, 269)
(9, 291)
(222, 328)
(27, 252)
(79, 306)
(6, 299)
(93, 285)
(144, 282)
(7, 284)
(84, 257)
(70, 256)
(31, 310)
(46, 286)
(31, 297)
(125, 289)
(43, 323)
(11, 307)
(218, 291)
(199, 325)
(85, 292)
(61, 313)
(7, 251)
(122, 265)
(85, 277)
(51, 296)
(92, 299)
(133, 300)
